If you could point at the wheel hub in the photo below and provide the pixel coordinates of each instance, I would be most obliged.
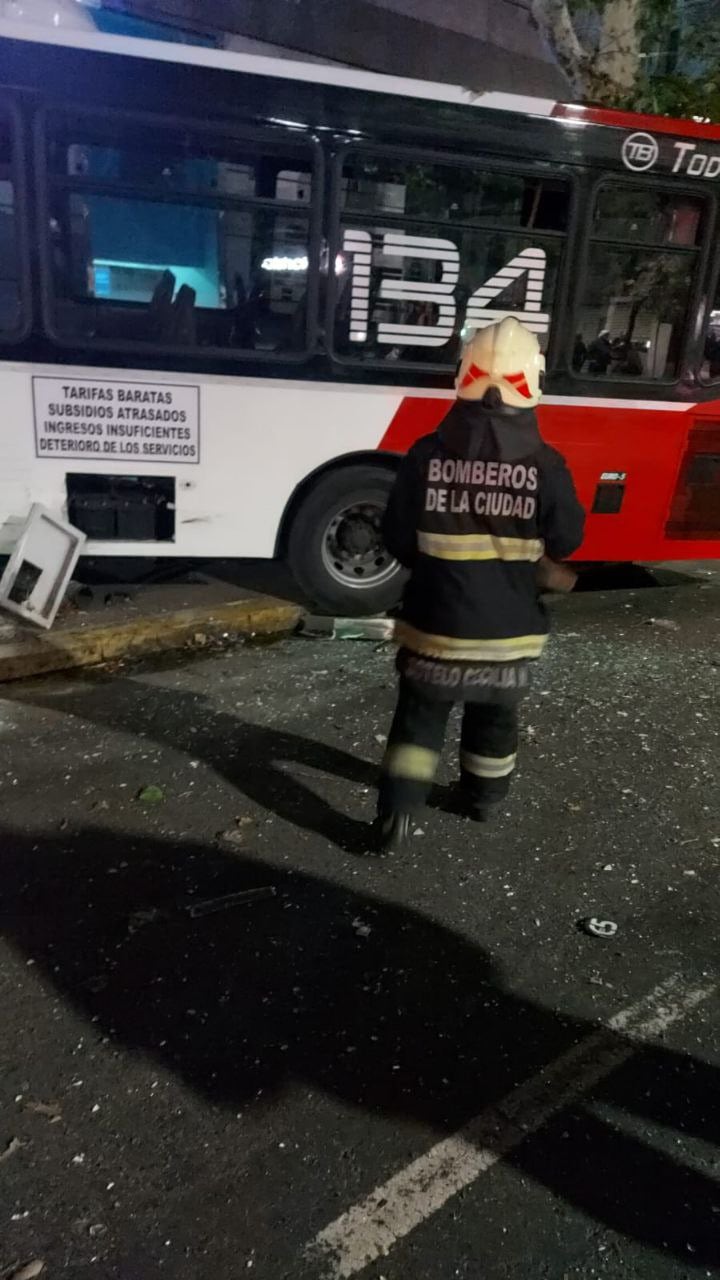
(357, 536)
(352, 547)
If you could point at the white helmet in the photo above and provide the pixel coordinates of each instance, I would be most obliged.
(52, 13)
(507, 357)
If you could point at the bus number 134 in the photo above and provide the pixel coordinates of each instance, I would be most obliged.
(530, 264)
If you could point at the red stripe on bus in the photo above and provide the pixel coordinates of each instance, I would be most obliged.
(416, 416)
(629, 120)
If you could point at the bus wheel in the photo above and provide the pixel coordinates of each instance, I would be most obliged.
(335, 548)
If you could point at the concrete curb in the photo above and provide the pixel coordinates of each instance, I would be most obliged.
(73, 646)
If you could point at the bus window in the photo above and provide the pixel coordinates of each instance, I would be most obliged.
(191, 243)
(710, 366)
(648, 216)
(429, 251)
(181, 161)
(446, 194)
(709, 362)
(11, 311)
(636, 292)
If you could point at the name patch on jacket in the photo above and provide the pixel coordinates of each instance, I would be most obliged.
(466, 681)
(485, 488)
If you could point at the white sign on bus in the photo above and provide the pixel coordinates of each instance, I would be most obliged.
(103, 419)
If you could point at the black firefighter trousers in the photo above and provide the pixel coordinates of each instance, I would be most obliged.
(488, 750)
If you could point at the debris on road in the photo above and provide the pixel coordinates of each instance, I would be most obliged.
(315, 626)
(29, 1271)
(13, 1145)
(141, 917)
(151, 795)
(364, 629)
(210, 905)
(51, 1110)
(234, 836)
(598, 928)
(362, 930)
(667, 624)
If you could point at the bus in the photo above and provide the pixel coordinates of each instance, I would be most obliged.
(233, 290)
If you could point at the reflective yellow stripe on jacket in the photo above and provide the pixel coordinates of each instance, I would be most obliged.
(478, 546)
(511, 649)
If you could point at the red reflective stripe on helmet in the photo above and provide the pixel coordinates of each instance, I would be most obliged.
(472, 375)
(519, 382)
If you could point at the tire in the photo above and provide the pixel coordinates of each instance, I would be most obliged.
(334, 548)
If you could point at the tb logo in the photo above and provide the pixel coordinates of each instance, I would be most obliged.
(640, 151)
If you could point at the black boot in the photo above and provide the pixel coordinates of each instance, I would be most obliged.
(479, 812)
(392, 832)
(463, 804)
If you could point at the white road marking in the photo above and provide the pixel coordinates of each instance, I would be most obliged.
(371, 1228)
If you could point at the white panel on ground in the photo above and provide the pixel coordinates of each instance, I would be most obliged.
(40, 567)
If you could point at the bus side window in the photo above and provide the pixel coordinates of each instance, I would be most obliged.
(11, 293)
(198, 241)
(431, 249)
(635, 295)
(710, 359)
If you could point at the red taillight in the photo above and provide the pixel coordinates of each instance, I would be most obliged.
(695, 506)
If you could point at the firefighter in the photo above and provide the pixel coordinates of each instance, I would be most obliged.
(475, 508)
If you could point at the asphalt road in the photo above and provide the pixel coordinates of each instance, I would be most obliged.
(414, 1069)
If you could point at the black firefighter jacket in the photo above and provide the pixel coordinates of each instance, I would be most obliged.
(474, 507)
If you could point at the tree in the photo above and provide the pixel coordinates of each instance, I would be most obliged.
(661, 56)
